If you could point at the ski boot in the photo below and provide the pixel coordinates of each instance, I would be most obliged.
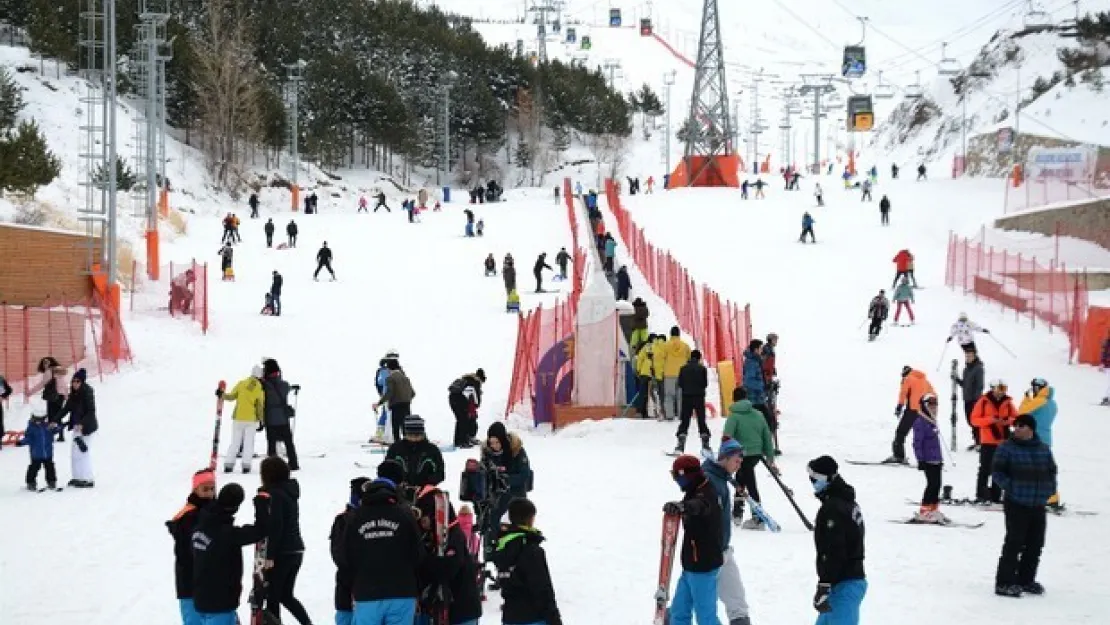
(1033, 588)
(32, 486)
(737, 511)
(741, 620)
(52, 485)
(1007, 590)
(705, 444)
(681, 447)
(228, 468)
(930, 514)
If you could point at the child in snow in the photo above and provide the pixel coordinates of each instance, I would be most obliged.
(807, 228)
(226, 253)
(903, 297)
(512, 302)
(39, 440)
(480, 227)
(930, 459)
(491, 266)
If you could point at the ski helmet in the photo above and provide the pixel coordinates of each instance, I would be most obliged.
(1038, 383)
(963, 316)
(392, 355)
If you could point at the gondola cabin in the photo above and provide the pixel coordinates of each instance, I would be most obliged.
(645, 27)
(572, 35)
(855, 62)
(861, 114)
(586, 43)
(614, 18)
(556, 26)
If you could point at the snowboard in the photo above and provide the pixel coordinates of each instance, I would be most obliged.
(913, 521)
(671, 524)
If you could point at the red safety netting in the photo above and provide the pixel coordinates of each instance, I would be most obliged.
(720, 328)
(1036, 193)
(73, 332)
(180, 290)
(1052, 294)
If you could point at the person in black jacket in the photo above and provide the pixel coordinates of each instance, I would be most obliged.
(181, 527)
(253, 202)
(269, 230)
(522, 573)
(624, 283)
(693, 379)
(277, 412)
(323, 261)
(702, 543)
(972, 384)
(218, 554)
(275, 293)
(452, 575)
(284, 545)
(291, 231)
(81, 408)
(839, 533)
(382, 551)
(54, 397)
(344, 604)
(459, 395)
(420, 458)
(537, 270)
(506, 461)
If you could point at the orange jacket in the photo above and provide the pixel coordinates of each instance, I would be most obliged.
(983, 416)
(903, 260)
(914, 386)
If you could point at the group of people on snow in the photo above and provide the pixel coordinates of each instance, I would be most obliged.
(261, 404)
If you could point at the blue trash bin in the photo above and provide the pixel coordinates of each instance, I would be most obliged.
(446, 194)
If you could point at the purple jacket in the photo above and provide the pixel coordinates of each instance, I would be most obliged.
(926, 441)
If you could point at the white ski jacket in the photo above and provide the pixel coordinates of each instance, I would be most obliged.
(962, 331)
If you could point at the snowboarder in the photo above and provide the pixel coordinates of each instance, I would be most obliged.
(490, 265)
(730, 587)
(227, 272)
(291, 231)
(463, 392)
(181, 528)
(81, 408)
(250, 402)
(344, 604)
(963, 331)
(902, 262)
(676, 353)
(914, 386)
(276, 412)
(522, 571)
(508, 275)
(993, 414)
(398, 395)
(537, 270)
(877, 312)
(702, 550)
(269, 230)
(1026, 471)
(866, 188)
(624, 283)
(253, 202)
(884, 211)
(903, 297)
(807, 228)
(38, 438)
(748, 427)
(839, 537)
(693, 379)
(323, 261)
(819, 194)
(275, 293)
(217, 553)
(971, 385)
(284, 544)
(930, 459)
(562, 259)
(610, 252)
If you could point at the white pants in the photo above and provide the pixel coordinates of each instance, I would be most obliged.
(242, 433)
(81, 461)
(730, 588)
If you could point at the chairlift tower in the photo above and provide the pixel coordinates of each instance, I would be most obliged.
(711, 138)
(294, 74)
(150, 54)
(541, 9)
(816, 85)
(612, 66)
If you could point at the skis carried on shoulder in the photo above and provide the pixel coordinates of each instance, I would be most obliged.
(222, 386)
(669, 540)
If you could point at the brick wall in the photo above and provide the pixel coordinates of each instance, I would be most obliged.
(38, 263)
(1089, 221)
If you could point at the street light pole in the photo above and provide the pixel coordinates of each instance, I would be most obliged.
(668, 82)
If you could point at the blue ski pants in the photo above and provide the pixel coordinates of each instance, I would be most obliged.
(695, 593)
(344, 617)
(218, 618)
(845, 599)
(385, 612)
(189, 614)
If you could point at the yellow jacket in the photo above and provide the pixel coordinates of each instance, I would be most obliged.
(1032, 403)
(676, 353)
(249, 399)
(644, 362)
(659, 350)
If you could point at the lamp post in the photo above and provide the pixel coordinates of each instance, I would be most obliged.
(668, 82)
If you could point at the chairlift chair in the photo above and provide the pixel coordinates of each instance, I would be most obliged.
(883, 90)
(915, 91)
(947, 66)
(1036, 17)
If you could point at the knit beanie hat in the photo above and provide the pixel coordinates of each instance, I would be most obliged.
(270, 367)
(686, 471)
(414, 424)
(497, 430)
(256, 372)
(231, 497)
(823, 468)
(729, 447)
(80, 375)
(1027, 420)
(392, 471)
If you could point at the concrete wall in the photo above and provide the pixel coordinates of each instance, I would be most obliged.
(1089, 221)
(37, 264)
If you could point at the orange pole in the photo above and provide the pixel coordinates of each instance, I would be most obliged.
(296, 197)
(152, 254)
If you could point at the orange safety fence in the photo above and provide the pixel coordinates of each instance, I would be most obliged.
(1053, 294)
(721, 328)
(71, 331)
(181, 291)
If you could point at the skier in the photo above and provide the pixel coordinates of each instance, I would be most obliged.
(1039, 402)
(866, 188)
(537, 269)
(884, 211)
(759, 184)
(181, 528)
(420, 458)
(522, 571)
(771, 384)
(578, 189)
(217, 550)
(250, 401)
(610, 252)
(903, 297)
(323, 261)
(914, 386)
(398, 395)
(1026, 471)
(676, 353)
(235, 229)
(38, 438)
(730, 587)
(344, 605)
(993, 415)
(561, 259)
(693, 379)
(291, 232)
(480, 227)
(744, 190)
(253, 202)
(894, 171)
(381, 202)
(276, 412)
(284, 545)
(556, 195)
(807, 228)
(81, 408)
(902, 261)
(930, 459)
(839, 537)
(921, 173)
(382, 564)
(752, 380)
(448, 578)
(702, 550)
(229, 230)
(52, 393)
(877, 312)
(624, 283)
(275, 292)
(269, 230)
(380, 377)
(226, 254)
(466, 428)
(963, 331)
(1104, 365)
(819, 194)
(508, 274)
(469, 230)
(748, 427)
(363, 204)
(971, 384)
(505, 454)
(650, 184)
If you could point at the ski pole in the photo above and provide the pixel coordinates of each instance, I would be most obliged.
(789, 495)
(942, 353)
(1007, 349)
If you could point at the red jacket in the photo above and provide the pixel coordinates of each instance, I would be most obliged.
(903, 260)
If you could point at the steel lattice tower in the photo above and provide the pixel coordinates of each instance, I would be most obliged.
(711, 135)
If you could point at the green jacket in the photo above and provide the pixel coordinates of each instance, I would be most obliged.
(903, 292)
(747, 426)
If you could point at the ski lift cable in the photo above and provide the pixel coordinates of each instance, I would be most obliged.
(959, 33)
(812, 29)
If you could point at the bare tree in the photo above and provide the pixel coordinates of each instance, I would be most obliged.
(610, 152)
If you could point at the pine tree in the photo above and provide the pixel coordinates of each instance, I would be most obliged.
(11, 100)
(26, 162)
